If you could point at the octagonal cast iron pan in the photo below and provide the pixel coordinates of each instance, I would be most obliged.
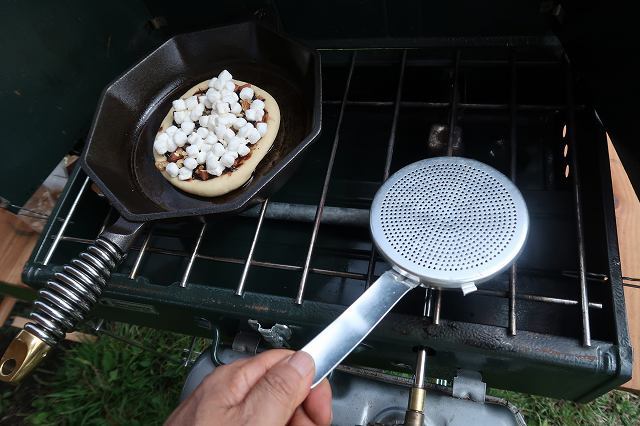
(119, 159)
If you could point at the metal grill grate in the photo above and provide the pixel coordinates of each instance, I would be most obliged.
(362, 263)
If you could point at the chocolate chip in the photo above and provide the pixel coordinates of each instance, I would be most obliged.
(202, 174)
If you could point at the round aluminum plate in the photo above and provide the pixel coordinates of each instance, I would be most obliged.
(449, 221)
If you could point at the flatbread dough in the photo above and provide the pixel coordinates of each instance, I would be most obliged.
(230, 179)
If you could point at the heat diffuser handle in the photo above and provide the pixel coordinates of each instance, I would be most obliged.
(66, 299)
(335, 342)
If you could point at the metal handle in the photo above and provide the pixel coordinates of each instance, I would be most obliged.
(335, 342)
(66, 299)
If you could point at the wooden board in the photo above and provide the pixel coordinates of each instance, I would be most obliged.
(628, 223)
(17, 240)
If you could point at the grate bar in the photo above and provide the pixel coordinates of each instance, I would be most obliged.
(247, 264)
(141, 252)
(463, 105)
(535, 298)
(582, 268)
(64, 225)
(454, 104)
(513, 276)
(452, 125)
(390, 146)
(194, 254)
(325, 186)
(106, 220)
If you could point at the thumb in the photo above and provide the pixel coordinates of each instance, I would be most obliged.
(282, 389)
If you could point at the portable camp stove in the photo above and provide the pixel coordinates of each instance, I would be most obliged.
(285, 270)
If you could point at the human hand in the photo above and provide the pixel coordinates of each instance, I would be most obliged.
(272, 389)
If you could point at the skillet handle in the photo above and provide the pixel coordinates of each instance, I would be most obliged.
(335, 342)
(66, 299)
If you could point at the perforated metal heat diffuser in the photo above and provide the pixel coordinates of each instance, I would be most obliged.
(444, 222)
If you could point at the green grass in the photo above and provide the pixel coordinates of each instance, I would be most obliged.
(103, 383)
(614, 408)
(111, 383)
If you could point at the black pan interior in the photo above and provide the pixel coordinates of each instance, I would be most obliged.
(119, 153)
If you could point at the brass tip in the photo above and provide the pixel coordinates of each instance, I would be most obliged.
(23, 354)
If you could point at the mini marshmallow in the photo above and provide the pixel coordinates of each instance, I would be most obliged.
(228, 159)
(192, 138)
(239, 123)
(246, 93)
(185, 173)
(203, 132)
(191, 102)
(180, 138)
(244, 130)
(250, 114)
(257, 104)
(192, 151)
(204, 101)
(212, 162)
(235, 143)
(259, 115)
(171, 130)
(243, 150)
(226, 119)
(213, 121)
(236, 108)
(161, 146)
(187, 127)
(205, 147)
(213, 95)
(222, 107)
(217, 171)
(203, 120)
(230, 98)
(218, 84)
(172, 169)
(213, 80)
(218, 150)
(262, 128)
(211, 157)
(224, 75)
(228, 135)
(179, 105)
(229, 85)
(219, 131)
(190, 163)
(179, 116)
(211, 139)
(171, 145)
(197, 112)
(162, 136)
(253, 136)
(201, 157)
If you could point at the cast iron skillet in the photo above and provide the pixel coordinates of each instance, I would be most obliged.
(118, 157)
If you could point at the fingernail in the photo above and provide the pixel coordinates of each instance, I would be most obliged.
(303, 363)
